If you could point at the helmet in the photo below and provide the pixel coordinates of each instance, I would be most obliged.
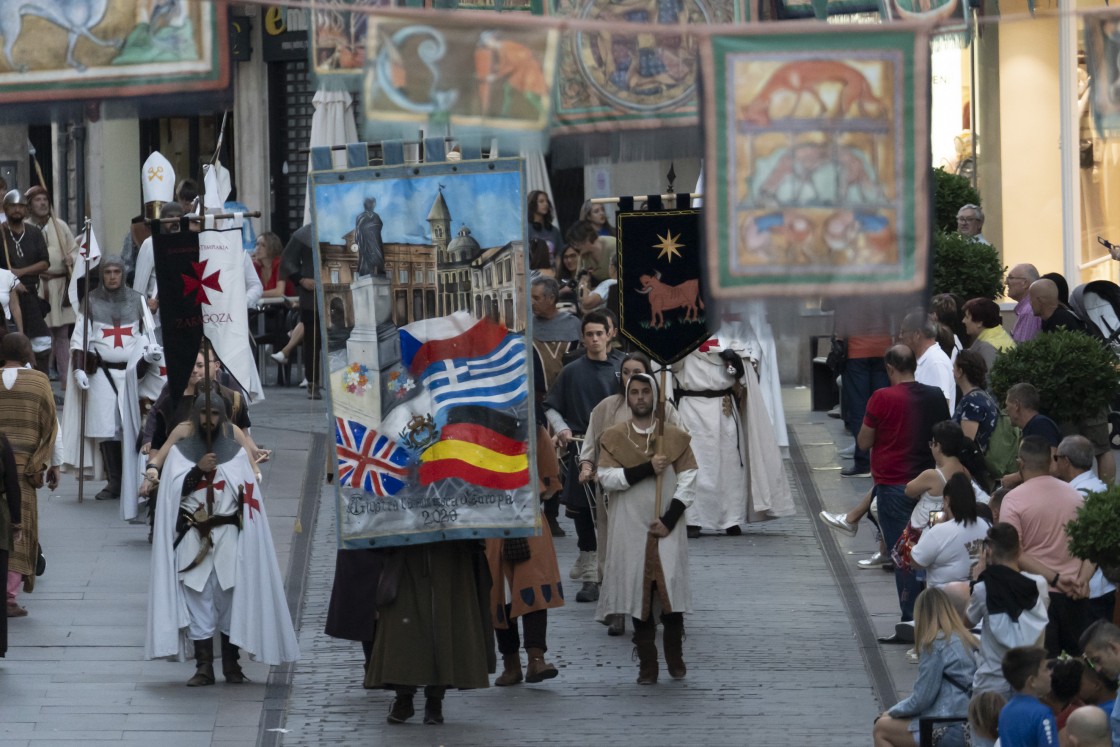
(14, 197)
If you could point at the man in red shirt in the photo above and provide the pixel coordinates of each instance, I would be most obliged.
(897, 429)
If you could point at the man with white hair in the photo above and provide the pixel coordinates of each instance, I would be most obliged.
(970, 223)
(1074, 463)
(1027, 323)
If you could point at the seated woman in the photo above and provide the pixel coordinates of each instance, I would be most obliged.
(977, 411)
(284, 328)
(946, 665)
(596, 214)
(567, 277)
(983, 323)
(946, 550)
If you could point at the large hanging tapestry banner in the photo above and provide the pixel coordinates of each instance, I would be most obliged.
(818, 154)
(618, 78)
(66, 49)
(424, 308)
(1102, 48)
(450, 73)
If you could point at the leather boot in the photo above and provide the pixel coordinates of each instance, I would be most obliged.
(512, 673)
(402, 709)
(539, 669)
(232, 670)
(673, 641)
(204, 658)
(579, 566)
(433, 704)
(111, 455)
(645, 648)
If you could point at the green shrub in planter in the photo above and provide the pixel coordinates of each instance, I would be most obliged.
(950, 193)
(965, 268)
(1076, 375)
(1095, 534)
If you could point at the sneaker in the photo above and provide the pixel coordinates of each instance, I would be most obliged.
(834, 412)
(304, 383)
(854, 471)
(848, 453)
(839, 523)
(912, 656)
(588, 593)
(279, 357)
(874, 561)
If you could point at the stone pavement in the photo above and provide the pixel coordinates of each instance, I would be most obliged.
(75, 669)
(779, 631)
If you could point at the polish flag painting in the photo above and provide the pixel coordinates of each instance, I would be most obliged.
(368, 460)
(457, 335)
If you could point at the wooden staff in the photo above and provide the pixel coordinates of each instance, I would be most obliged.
(206, 352)
(660, 414)
(53, 221)
(85, 352)
(215, 216)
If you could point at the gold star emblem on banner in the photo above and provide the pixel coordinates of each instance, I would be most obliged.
(668, 246)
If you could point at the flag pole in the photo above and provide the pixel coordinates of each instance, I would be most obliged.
(206, 352)
(85, 352)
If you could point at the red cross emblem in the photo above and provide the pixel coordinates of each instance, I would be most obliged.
(199, 282)
(251, 502)
(118, 334)
(205, 483)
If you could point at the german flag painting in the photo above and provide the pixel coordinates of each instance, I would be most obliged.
(480, 445)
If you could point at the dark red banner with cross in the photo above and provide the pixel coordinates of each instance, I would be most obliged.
(182, 283)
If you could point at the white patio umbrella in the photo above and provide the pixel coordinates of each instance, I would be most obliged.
(331, 124)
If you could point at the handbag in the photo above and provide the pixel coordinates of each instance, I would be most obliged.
(40, 562)
(515, 550)
(900, 553)
(837, 355)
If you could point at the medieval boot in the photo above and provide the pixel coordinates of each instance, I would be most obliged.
(111, 454)
(617, 625)
(673, 641)
(539, 669)
(204, 658)
(231, 669)
(402, 709)
(512, 673)
(645, 648)
(433, 704)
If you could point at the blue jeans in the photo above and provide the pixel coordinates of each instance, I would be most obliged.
(861, 377)
(894, 514)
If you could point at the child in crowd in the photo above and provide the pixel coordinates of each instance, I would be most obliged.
(1065, 684)
(1026, 721)
(983, 718)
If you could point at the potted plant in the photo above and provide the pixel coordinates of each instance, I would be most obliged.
(1076, 376)
(950, 192)
(1095, 534)
(965, 268)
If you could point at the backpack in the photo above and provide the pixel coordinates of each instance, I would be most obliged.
(1003, 448)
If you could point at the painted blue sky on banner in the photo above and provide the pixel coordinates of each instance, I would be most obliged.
(479, 201)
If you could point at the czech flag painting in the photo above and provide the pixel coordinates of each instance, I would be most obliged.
(368, 460)
(457, 335)
(481, 446)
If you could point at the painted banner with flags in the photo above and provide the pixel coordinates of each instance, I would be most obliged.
(89, 254)
(424, 307)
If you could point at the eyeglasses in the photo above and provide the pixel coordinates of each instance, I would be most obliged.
(1060, 456)
(1089, 662)
(1012, 277)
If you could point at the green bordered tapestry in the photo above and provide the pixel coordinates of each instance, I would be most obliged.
(817, 161)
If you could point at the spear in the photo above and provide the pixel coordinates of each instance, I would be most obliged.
(50, 218)
(86, 242)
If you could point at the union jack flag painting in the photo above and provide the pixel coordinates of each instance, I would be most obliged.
(368, 460)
